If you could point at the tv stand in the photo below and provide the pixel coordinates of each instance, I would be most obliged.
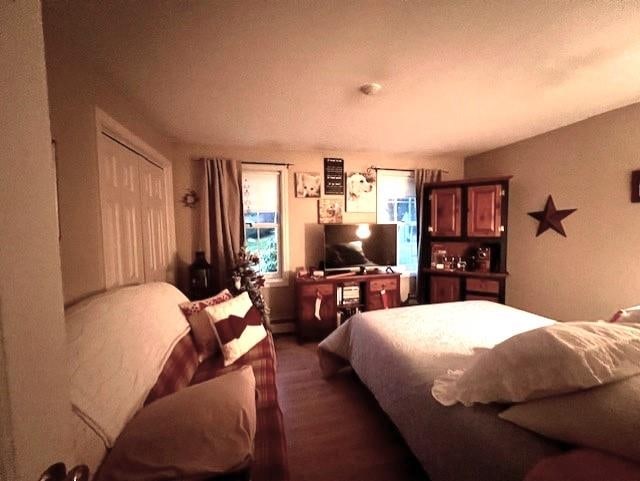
(335, 298)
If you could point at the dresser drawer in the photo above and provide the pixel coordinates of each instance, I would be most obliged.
(312, 290)
(483, 285)
(390, 284)
(480, 297)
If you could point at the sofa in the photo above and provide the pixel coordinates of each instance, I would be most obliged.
(110, 330)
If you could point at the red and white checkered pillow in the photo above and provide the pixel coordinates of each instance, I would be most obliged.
(630, 314)
(203, 335)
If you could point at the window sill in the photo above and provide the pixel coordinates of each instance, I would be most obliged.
(276, 282)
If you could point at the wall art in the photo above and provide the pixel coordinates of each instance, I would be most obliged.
(361, 191)
(307, 184)
(330, 211)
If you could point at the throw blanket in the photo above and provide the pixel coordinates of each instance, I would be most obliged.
(118, 344)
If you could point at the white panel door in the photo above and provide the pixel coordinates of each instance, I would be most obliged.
(154, 222)
(121, 214)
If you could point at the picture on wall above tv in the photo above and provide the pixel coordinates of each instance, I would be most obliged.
(355, 245)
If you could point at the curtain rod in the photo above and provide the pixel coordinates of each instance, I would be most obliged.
(404, 170)
(253, 163)
(269, 163)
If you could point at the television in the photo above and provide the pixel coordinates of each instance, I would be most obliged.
(354, 245)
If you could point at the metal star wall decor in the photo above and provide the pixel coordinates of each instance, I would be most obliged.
(551, 218)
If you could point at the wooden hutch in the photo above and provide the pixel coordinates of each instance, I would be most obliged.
(466, 223)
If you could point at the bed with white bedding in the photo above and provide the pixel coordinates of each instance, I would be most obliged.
(398, 353)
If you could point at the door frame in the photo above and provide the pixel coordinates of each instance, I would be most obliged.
(108, 125)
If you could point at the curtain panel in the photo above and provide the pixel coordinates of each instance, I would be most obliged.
(222, 217)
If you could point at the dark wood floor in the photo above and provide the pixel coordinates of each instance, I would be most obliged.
(335, 429)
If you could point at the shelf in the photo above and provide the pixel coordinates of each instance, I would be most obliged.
(489, 275)
(350, 305)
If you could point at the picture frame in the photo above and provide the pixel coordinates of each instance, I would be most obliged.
(635, 186)
(333, 176)
(361, 191)
(308, 184)
(330, 211)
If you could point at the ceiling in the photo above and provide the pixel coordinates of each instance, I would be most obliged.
(458, 77)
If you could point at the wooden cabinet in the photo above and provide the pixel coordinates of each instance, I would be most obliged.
(484, 210)
(465, 246)
(445, 212)
(444, 289)
(375, 291)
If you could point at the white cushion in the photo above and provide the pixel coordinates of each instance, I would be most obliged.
(556, 359)
(240, 307)
(605, 417)
(196, 433)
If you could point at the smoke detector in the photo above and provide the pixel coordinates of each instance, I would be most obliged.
(371, 88)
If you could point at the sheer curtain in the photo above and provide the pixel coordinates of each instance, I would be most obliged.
(423, 177)
(222, 217)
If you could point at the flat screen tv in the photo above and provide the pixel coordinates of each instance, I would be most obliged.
(354, 245)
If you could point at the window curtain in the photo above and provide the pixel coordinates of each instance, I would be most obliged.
(423, 177)
(222, 217)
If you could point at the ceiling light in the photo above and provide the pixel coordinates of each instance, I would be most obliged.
(370, 89)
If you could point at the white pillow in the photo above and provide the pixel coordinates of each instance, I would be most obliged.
(238, 326)
(196, 433)
(556, 359)
(605, 417)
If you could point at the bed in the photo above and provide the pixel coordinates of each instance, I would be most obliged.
(397, 354)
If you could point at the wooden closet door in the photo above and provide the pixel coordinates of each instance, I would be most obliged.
(154, 221)
(484, 211)
(121, 216)
(445, 212)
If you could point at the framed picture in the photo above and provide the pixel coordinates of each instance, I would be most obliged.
(333, 176)
(635, 186)
(361, 191)
(307, 184)
(330, 211)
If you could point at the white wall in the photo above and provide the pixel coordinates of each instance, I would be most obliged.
(34, 397)
(587, 165)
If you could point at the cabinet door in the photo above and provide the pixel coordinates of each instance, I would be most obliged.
(391, 287)
(445, 212)
(444, 289)
(484, 211)
(309, 326)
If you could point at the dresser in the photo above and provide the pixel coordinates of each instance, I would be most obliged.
(323, 303)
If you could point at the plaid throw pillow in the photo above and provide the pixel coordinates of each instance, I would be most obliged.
(203, 335)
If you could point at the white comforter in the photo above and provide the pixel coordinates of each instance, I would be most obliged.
(398, 353)
(118, 344)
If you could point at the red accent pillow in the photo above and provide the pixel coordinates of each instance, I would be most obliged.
(203, 335)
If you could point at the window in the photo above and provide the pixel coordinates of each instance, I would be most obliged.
(397, 205)
(264, 198)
